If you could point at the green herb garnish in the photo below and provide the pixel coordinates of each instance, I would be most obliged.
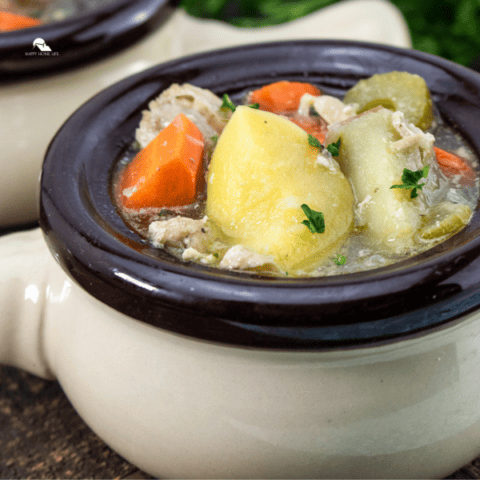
(227, 103)
(410, 180)
(334, 148)
(339, 259)
(315, 222)
(255, 105)
(314, 142)
(214, 139)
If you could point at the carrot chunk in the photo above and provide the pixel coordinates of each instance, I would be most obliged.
(311, 126)
(11, 21)
(283, 96)
(168, 171)
(452, 164)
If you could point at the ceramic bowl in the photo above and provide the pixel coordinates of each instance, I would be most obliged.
(190, 372)
(39, 90)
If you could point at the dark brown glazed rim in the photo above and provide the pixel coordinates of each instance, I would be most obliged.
(91, 242)
(80, 40)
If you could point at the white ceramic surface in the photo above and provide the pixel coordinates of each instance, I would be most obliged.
(32, 111)
(181, 408)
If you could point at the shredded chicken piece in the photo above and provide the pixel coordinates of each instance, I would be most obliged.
(412, 136)
(198, 104)
(191, 254)
(331, 109)
(182, 232)
(242, 258)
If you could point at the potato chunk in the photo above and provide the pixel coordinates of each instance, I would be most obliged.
(369, 157)
(262, 170)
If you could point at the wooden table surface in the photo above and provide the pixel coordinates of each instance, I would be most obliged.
(42, 436)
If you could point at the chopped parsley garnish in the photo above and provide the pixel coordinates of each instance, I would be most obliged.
(214, 139)
(314, 142)
(333, 148)
(339, 259)
(255, 105)
(315, 222)
(410, 180)
(227, 103)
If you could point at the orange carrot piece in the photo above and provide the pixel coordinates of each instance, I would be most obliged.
(283, 96)
(452, 164)
(311, 126)
(11, 21)
(168, 171)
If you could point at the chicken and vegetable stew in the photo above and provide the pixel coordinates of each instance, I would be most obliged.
(295, 182)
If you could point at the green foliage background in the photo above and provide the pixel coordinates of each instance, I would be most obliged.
(448, 28)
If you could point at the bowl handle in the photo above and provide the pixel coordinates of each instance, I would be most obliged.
(25, 264)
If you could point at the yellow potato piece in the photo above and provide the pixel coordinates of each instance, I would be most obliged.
(262, 170)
